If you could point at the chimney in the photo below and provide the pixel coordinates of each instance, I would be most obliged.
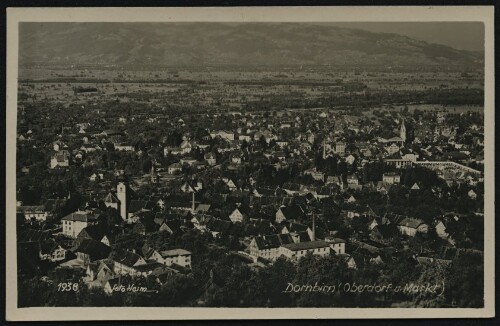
(192, 205)
(314, 228)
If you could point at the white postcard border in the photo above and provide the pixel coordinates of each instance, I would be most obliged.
(245, 14)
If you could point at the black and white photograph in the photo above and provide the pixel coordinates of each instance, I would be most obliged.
(251, 164)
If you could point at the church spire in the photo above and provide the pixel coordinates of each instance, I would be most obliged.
(402, 132)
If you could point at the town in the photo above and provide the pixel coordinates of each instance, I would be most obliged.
(225, 206)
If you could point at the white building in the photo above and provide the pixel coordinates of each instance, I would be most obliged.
(179, 257)
(295, 251)
(236, 216)
(75, 222)
(60, 159)
(391, 178)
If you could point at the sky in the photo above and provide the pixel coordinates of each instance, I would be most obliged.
(459, 35)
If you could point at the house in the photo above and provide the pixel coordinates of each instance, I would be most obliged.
(174, 168)
(210, 159)
(30, 235)
(104, 272)
(226, 135)
(95, 232)
(125, 262)
(237, 216)
(96, 176)
(472, 194)
(440, 228)
(339, 148)
(398, 162)
(299, 232)
(336, 244)
(350, 159)
(316, 175)
(349, 199)
(60, 159)
(52, 251)
(245, 138)
(188, 188)
(230, 184)
(188, 160)
(75, 222)
(268, 246)
(349, 260)
(334, 180)
(172, 150)
(90, 250)
(111, 200)
(293, 212)
(409, 155)
(295, 251)
(124, 147)
(37, 212)
(186, 146)
(393, 140)
(391, 178)
(236, 158)
(179, 257)
(282, 143)
(392, 149)
(352, 179)
(144, 226)
(150, 254)
(136, 208)
(415, 186)
(202, 208)
(384, 233)
(172, 226)
(217, 227)
(410, 226)
(111, 285)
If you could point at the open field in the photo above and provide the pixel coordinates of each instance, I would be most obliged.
(259, 89)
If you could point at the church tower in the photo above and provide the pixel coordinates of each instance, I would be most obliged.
(402, 132)
(121, 193)
(324, 149)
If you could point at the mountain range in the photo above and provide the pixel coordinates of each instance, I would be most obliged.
(177, 44)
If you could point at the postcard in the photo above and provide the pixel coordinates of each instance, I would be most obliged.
(250, 163)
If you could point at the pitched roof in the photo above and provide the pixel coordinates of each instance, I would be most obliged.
(95, 249)
(411, 222)
(202, 208)
(149, 267)
(296, 227)
(292, 212)
(148, 223)
(217, 225)
(52, 204)
(137, 205)
(173, 225)
(47, 246)
(96, 232)
(306, 245)
(175, 253)
(80, 217)
(272, 241)
(33, 235)
(31, 209)
(111, 198)
(387, 231)
(127, 258)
